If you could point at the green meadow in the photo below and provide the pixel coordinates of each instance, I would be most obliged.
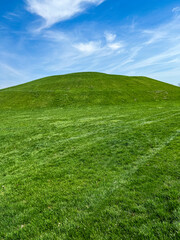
(90, 156)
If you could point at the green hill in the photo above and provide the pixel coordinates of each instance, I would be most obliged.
(86, 89)
(105, 166)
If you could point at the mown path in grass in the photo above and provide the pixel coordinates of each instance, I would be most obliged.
(90, 173)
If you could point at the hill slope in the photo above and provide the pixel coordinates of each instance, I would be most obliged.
(86, 89)
(105, 171)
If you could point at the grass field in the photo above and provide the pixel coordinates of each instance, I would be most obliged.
(101, 171)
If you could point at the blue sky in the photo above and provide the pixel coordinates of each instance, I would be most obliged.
(41, 37)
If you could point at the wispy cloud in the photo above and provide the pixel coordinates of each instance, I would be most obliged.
(56, 36)
(161, 58)
(176, 9)
(88, 48)
(155, 36)
(58, 10)
(11, 16)
(11, 75)
(110, 37)
(10, 69)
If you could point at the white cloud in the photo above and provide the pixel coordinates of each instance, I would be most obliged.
(96, 46)
(53, 11)
(116, 45)
(88, 48)
(110, 37)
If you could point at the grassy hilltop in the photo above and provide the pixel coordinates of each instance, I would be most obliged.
(90, 156)
(86, 89)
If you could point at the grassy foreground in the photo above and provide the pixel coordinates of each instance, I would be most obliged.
(90, 156)
(102, 172)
